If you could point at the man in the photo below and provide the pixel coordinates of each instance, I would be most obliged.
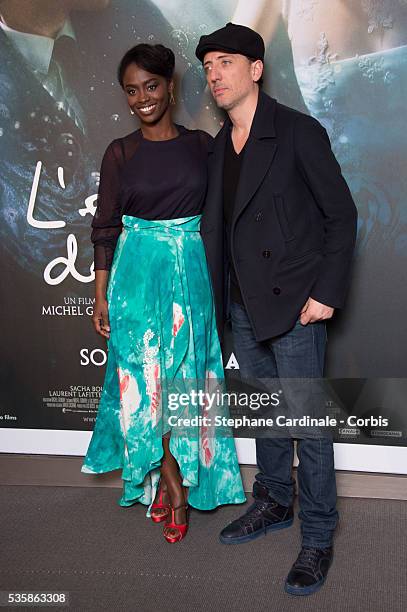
(280, 214)
(45, 121)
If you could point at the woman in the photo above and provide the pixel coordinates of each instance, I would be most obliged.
(156, 310)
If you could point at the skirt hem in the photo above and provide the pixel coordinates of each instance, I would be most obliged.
(86, 470)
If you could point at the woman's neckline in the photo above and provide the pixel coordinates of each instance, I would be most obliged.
(181, 129)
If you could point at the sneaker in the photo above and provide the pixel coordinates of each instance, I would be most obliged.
(264, 515)
(309, 571)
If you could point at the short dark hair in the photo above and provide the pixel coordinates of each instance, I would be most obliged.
(155, 59)
(260, 81)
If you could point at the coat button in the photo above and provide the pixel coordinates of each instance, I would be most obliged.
(266, 254)
(276, 290)
(258, 216)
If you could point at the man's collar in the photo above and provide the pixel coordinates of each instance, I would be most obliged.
(36, 50)
(263, 120)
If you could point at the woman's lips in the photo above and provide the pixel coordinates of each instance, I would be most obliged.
(147, 110)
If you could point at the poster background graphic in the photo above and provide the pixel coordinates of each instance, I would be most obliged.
(360, 102)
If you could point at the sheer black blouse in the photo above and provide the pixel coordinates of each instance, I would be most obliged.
(150, 179)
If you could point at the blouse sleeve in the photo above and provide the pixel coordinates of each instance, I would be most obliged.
(107, 223)
(206, 140)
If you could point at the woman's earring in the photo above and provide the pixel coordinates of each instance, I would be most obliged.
(131, 111)
(172, 99)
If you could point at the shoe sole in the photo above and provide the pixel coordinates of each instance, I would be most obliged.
(305, 590)
(257, 534)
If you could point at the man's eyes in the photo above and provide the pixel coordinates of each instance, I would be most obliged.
(208, 68)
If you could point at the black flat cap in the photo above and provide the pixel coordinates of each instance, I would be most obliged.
(232, 39)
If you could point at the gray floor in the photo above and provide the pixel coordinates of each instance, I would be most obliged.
(112, 558)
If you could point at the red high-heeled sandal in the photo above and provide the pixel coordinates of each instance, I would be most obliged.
(182, 528)
(159, 505)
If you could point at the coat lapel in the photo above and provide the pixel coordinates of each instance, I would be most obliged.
(260, 149)
(214, 199)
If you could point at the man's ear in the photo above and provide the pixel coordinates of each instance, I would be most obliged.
(257, 70)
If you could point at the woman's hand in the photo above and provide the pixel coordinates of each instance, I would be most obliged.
(100, 317)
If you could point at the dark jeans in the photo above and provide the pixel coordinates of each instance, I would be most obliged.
(296, 354)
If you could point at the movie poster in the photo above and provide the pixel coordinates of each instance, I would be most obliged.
(61, 105)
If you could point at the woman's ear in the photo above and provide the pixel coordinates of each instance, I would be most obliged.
(171, 91)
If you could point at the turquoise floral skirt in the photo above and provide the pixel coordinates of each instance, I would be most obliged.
(163, 346)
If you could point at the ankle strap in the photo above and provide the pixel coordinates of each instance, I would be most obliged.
(181, 506)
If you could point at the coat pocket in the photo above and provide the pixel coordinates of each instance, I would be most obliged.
(282, 218)
(303, 256)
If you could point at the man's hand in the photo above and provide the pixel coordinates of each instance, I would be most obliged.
(315, 311)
